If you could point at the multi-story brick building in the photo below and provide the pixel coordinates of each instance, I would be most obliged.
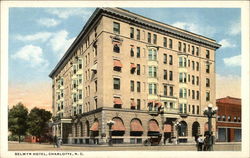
(124, 67)
(228, 124)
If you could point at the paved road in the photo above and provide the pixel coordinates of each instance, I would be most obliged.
(14, 146)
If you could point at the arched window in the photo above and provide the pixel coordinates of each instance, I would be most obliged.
(183, 129)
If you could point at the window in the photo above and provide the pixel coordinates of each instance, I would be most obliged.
(171, 105)
(183, 93)
(207, 82)
(197, 80)
(116, 83)
(138, 53)
(164, 42)
(229, 118)
(188, 63)
(193, 94)
(155, 39)
(116, 48)
(193, 65)
(193, 79)
(207, 68)
(179, 46)
(152, 88)
(189, 92)
(131, 32)
(188, 48)
(95, 50)
(239, 119)
(197, 95)
(207, 96)
(74, 69)
(183, 109)
(80, 94)
(197, 51)
(182, 77)
(182, 62)
(80, 63)
(132, 86)
(197, 110)
(192, 50)
(138, 104)
(96, 85)
(218, 118)
(170, 60)
(149, 37)
(61, 105)
(165, 75)
(118, 103)
(170, 44)
(96, 105)
(223, 118)
(138, 35)
(207, 54)
(152, 71)
(197, 66)
(164, 58)
(165, 90)
(171, 75)
(132, 52)
(184, 47)
(235, 119)
(138, 86)
(193, 109)
(138, 69)
(116, 28)
(171, 91)
(152, 54)
(74, 97)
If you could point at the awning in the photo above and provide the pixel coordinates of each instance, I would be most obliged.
(117, 101)
(157, 103)
(116, 42)
(94, 67)
(153, 126)
(95, 126)
(132, 66)
(117, 63)
(135, 126)
(151, 101)
(167, 128)
(133, 103)
(118, 126)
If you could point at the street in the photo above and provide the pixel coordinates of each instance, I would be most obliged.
(15, 146)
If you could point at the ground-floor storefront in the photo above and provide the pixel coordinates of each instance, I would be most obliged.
(130, 126)
(226, 134)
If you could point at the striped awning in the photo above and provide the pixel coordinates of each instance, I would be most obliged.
(167, 128)
(117, 101)
(135, 126)
(117, 63)
(132, 66)
(118, 125)
(95, 126)
(153, 126)
(133, 103)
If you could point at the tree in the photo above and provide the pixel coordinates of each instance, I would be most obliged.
(17, 120)
(38, 122)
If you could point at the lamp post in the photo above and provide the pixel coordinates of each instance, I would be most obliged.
(209, 111)
(177, 126)
(110, 123)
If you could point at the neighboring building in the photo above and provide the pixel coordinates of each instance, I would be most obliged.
(125, 67)
(228, 122)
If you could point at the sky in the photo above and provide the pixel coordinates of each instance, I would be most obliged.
(38, 37)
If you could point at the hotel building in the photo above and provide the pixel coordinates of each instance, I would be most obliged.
(142, 74)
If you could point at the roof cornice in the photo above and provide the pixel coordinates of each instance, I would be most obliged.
(116, 14)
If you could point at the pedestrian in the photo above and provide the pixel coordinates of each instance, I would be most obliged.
(206, 143)
(199, 143)
(59, 142)
(55, 141)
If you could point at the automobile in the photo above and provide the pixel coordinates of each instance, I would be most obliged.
(153, 140)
